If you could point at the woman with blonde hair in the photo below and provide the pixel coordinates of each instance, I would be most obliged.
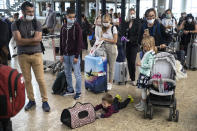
(110, 37)
(145, 66)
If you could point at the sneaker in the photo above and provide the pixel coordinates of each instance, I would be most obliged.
(133, 83)
(141, 107)
(45, 106)
(77, 96)
(119, 97)
(14, 55)
(131, 98)
(109, 86)
(139, 104)
(68, 93)
(30, 105)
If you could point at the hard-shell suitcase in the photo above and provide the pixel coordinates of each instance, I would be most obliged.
(120, 74)
(191, 60)
(95, 73)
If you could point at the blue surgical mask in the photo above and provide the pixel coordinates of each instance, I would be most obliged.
(70, 21)
(168, 16)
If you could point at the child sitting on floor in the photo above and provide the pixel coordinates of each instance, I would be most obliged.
(146, 64)
(111, 105)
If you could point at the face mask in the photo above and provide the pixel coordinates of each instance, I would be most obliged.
(151, 21)
(189, 20)
(168, 16)
(48, 8)
(29, 18)
(70, 21)
(106, 24)
(132, 16)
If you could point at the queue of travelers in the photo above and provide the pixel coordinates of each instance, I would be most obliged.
(152, 34)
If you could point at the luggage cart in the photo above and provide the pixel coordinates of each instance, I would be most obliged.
(55, 65)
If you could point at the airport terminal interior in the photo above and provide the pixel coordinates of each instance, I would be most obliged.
(129, 118)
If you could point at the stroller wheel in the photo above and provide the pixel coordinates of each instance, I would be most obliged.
(151, 112)
(177, 116)
(170, 114)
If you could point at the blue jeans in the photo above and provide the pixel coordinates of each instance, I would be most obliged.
(68, 65)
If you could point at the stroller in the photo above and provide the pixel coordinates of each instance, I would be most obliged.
(161, 89)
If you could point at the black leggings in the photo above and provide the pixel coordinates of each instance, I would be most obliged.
(5, 125)
(131, 54)
(121, 105)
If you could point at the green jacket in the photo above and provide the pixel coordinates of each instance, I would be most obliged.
(147, 62)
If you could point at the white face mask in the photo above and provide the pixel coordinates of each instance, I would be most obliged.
(106, 24)
(151, 21)
(189, 20)
(132, 16)
(29, 18)
(48, 8)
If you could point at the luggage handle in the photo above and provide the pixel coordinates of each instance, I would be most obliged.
(125, 72)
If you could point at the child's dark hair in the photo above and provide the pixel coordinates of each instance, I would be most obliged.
(26, 4)
(70, 11)
(108, 98)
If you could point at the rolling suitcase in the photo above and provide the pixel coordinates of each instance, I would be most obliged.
(95, 73)
(120, 74)
(191, 60)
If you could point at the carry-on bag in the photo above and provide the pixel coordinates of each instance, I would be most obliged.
(120, 72)
(78, 115)
(191, 60)
(95, 73)
(60, 85)
(12, 92)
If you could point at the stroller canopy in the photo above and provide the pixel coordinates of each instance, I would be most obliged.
(165, 65)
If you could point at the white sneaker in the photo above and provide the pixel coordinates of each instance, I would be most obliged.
(139, 104)
(133, 83)
(141, 107)
(109, 86)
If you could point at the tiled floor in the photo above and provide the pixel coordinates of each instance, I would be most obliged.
(127, 119)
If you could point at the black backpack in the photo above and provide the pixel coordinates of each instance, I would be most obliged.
(34, 23)
(60, 85)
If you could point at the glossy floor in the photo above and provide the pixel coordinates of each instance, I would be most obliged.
(127, 119)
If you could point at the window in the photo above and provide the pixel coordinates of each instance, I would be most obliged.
(57, 6)
(67, 4)
(144, 5)
(191, 7)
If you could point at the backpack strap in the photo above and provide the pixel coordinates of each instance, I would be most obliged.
(18, 22)
(34, 23)
(112, 29)
(156, 29)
